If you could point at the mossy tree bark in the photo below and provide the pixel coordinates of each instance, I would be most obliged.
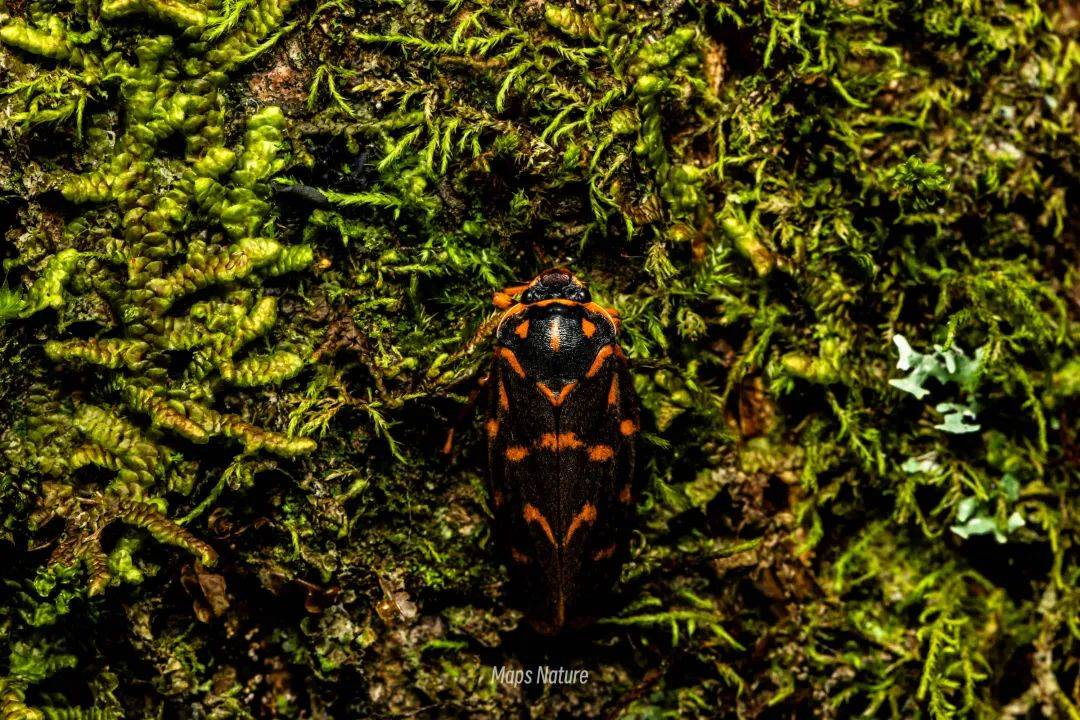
(249, 250)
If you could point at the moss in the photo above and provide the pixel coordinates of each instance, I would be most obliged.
(249, 249)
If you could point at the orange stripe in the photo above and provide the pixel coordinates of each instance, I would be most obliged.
(504, 399)
(605, 553)
(515, 310)
(609, 313)
(557, 400)
(562, 441)
(588, 327)
(522, 330)
(555, 301)
(601, 356)
(601, 453)
(517, 289)
(492, 428)
(595, 308)
(533, 515)
(613, 391)
(587, 515)
(628, 427)
(511, 359)
(516, 453)
(553, 335)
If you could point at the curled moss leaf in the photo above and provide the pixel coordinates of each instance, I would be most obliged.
(180, 13)
(571, 22)
(165, 530)
(746, 240)
(111, 353)
(48, 290)
(12, 702)
(47, 44)
(162, 413)
(139, 456)
(270, 369)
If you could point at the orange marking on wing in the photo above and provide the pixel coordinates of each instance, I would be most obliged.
(557, 301)
(516, 453)
(492, 428)
(504, 399)
(562, 441)
(522, 330)
(604, 353)
(518, 556)
(604, 553)
(610, 314)
(625, 495)
(601, 356)
(587, 514)
(595, 308)
(601, 453)
(511, 359)
(554, 399)
(553, 335)
(514, 310)
(531, 514)
(588, 327)
(613, 391)
(628, 427)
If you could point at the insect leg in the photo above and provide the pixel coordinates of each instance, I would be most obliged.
(465, 411)
(504, 298)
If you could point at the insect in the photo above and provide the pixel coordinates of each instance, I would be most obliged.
(301, 196)
(562, 419)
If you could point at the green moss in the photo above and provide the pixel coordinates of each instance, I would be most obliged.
(222, 408)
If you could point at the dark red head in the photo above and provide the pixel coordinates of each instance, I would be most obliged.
(556, 283)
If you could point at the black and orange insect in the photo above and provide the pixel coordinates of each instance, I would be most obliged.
(562, 419)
